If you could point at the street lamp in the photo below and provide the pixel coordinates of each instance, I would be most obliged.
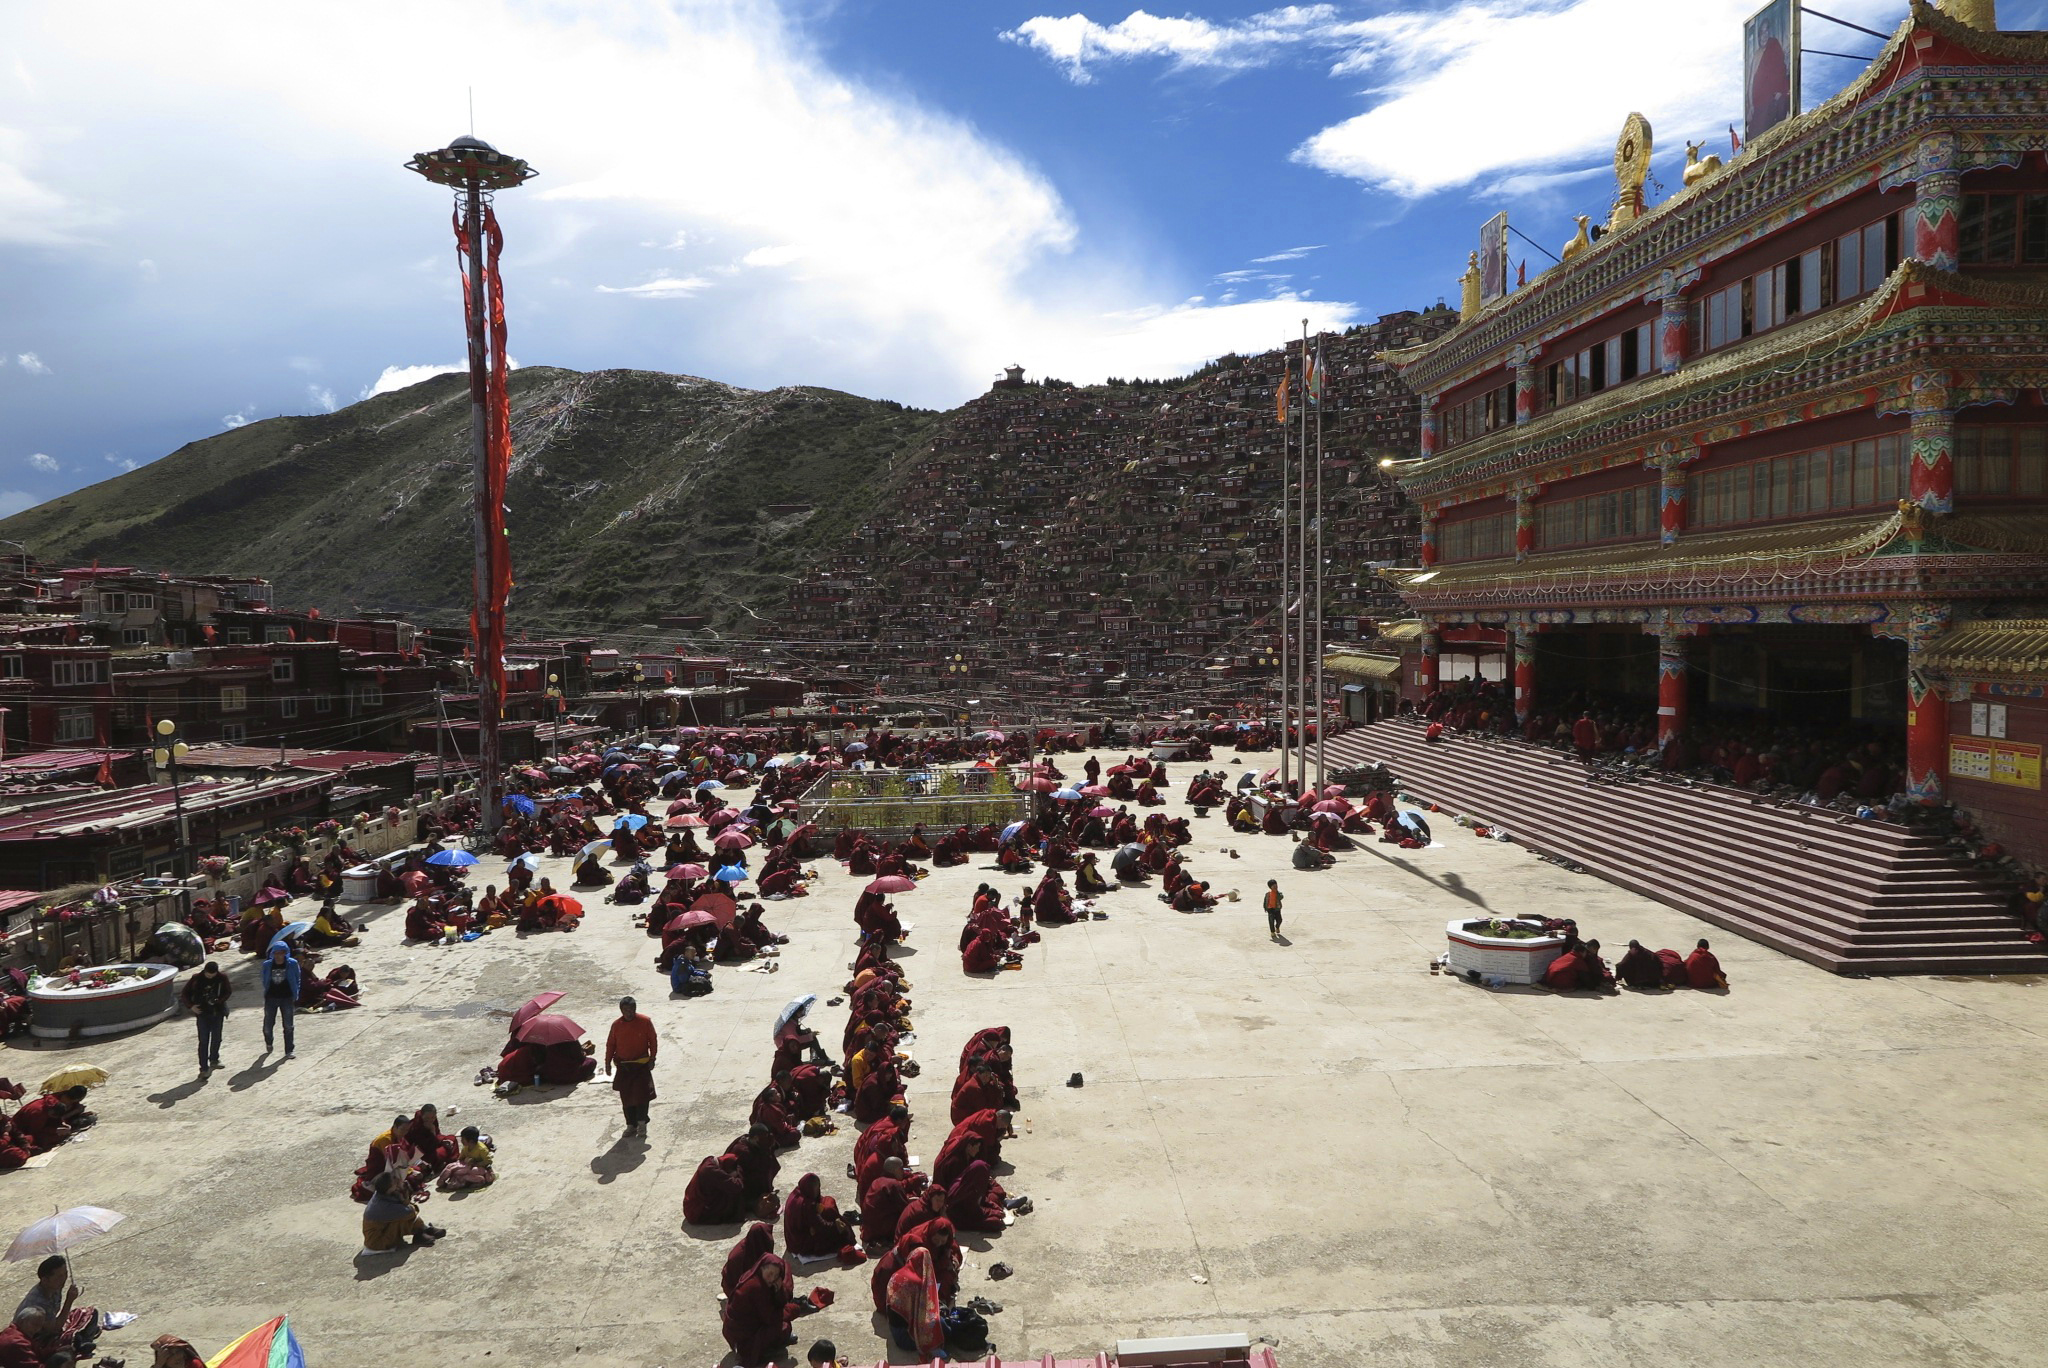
(476, 171)
(957, 669)
(167, 755)
(555, 693)
(639, 712)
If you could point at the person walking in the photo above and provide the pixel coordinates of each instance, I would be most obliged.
(630, 1049)
(280, 996)
(206, 994)
(1273, 901)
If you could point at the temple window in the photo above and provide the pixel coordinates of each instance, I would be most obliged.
(1602, 366)
(2002, 460)
(1850, 475)
(1477, 538)
(2003, 230)
(1618, 515)
(1478, 416)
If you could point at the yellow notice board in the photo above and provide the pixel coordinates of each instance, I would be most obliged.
(2015, 763)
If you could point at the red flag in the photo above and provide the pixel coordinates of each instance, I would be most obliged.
(1734, 141)
(105, 778)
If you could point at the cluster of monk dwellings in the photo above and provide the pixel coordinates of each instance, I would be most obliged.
(1064, 542)
(1765, 471)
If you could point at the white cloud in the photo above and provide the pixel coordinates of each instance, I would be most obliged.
(322, 396)
(12, 501)
(1291, 254)
(146, 269)
(46, 463)
(235, 420)
(124, 462)
(32, 363)
(403, 377)
(1447, 86)
(661, 287)
(773, 256)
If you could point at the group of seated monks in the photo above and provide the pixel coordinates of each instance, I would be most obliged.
(407, 1157)
(1580, 968)
(990, 938)
(41, 1125)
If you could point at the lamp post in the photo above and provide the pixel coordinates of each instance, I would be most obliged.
(639, 712)
(555, 698)
(476, 171)
(167, 754)
(956, 669)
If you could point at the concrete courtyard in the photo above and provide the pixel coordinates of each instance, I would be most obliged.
(1319, 1143)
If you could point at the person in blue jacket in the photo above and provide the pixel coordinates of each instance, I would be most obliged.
(280, 995)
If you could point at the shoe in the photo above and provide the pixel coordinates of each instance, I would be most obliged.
(423, 1241)
(291, 1054)
(214, 1065)
(434, 1232)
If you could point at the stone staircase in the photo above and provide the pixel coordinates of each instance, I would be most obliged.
(1853, 897)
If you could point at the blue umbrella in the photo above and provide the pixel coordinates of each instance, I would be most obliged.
(1069, 794)
(709, 784)
(521, 804)
(632, 821)
(730, 874)
(1012, 829)
(288, 930)
(461, 859)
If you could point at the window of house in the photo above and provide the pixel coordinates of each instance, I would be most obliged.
(1865, 474)
(234, 697)
(112, 602)
(75, 724)
(73, 672)
(370, 696)
(287, 707)
(323, 703)
(282, 669)
(135, 636)
(138, 603)
(13, 667)
(237, 635)
(2002, 460)
(234, 732)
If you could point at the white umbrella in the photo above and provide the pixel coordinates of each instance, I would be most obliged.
(796, 1008)
(55, 1234)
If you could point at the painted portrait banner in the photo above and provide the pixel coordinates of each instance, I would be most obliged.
(1770, 67)
(1493, 257)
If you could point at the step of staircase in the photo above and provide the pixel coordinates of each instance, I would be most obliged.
(1867, 897)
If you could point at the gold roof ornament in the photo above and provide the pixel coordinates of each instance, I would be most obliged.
(1577, 244)
(1470, 285)
(1698, 168)
(1631, 168)
(1978, 14)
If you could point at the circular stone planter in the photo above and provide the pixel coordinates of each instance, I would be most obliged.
(63, 1009)
(1518, 959)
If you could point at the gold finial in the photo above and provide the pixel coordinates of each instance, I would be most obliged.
(1978, 14)
(1468, 303)
(1579, 243)
(1631, 166)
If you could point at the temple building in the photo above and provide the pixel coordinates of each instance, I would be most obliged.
(1778, 446)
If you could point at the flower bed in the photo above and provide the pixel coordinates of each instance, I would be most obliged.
(104, 1000)
(1515, 952)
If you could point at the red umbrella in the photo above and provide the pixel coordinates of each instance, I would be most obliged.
(732, 840)
(1096, 791)
(1332, 805)
(1127, 769)
(549, 1028)
(893, 883)
(689, 871)
(1102, 810)
(722, 908)
(1334, 791)
(682, 806)
(561, 904)
(533, 1007)
(1038, 785)
(721, 818)
(694, 917)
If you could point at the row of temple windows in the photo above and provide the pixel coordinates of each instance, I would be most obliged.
(1873, 473)
(2001, 230)
(1851, 266)
(1477, 416)
(1621, 357)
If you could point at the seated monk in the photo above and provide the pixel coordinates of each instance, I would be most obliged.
(1274, 821)
(1194, 897)
(331, 928)
(50, 1120)
(786, 882)
(1012, 859)
(1088, 877)
(981, 1090)
(1148, 795)
(991, 1125)
(977, 1200)
(1052, 903)
(389, 1151)
(1703, 969)
(434, 1149)
(883, 1201)
(758, 1165)
(808, 1090)
(771, 1111)
(1673, 965)
(984, 954)
(422, 921)
(716, 1193)
(812, 1226)
(1640, 968)
(950, 851)
(916, 848)
(1174, 877)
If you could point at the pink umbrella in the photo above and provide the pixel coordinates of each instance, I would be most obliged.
(549, 1029)
(730, 839)
(1334, 791)
(689, 871)
(893, 883)
(722, 817)
(682, 806)
(1102, 810)
(1332, 805)
(694, 917)
(1038, 785)
(1096, 791)
(683, 822)
(722, 908)
(533, 1007)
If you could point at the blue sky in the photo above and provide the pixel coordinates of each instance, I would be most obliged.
(204, 220)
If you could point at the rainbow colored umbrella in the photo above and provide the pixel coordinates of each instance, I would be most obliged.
(270, 1345)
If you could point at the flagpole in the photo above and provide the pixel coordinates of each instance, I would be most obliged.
(1285, 550)
(1301, 579)
(1322, 383)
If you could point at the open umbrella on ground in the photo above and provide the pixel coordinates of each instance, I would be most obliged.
(561, 904)
(62, 1231)
(178, 943)
(994, 736)
(688, 871)
(731, 839)
(270, 1345)
(721, 907)
(794, 1009)
(893, 883)
(287, 931)
(549, 1028)
(533, 1007)
(1417, 828)
(683, 921)
(521, 804)
(1096, 790)
(632, 821)
(457, 859)
(1037, 785)
(1333, 791)
(584, 853)
(74, 1076)
(730, 874)
(683, 821)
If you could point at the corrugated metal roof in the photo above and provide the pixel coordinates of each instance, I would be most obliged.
(1344, 663)
(130, 808)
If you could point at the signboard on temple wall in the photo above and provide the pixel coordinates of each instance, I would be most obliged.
(1770, 67)
(1493, 257)
(2013, 763)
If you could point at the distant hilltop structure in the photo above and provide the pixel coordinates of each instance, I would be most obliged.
(1013, 378)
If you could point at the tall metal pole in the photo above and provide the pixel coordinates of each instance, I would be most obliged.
(1322, 385)
(489, 779)
(1301, 578)
(1286, 565)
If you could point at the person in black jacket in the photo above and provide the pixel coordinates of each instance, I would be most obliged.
(206, 994)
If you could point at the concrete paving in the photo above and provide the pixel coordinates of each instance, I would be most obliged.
(1320, 1142)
